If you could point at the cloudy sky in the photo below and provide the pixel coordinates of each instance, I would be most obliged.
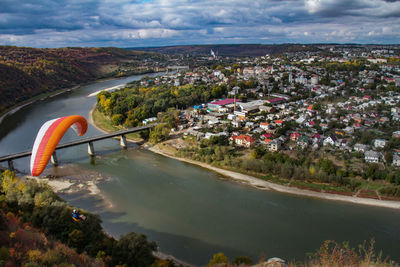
(135, 23)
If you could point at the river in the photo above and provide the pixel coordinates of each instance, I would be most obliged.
(189, 211)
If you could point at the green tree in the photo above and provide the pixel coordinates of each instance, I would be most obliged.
(117, 119)
(134, 250)
(219, 260)
(159, 133)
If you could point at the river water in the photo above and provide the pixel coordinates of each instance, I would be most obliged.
(189, 211)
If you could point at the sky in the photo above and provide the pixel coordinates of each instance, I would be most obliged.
(144, 23)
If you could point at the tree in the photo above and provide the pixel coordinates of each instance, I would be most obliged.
(388, 157)
(159, 133)
(218, 259)
(117, 119)
(243, 260)
(134, 250)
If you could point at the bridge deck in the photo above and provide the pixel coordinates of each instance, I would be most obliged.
(81, 141)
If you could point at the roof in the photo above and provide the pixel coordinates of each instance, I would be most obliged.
(245, 137)
(225, 101)
(278, 99)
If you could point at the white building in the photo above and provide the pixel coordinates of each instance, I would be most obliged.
(371, 156)
(379, 143)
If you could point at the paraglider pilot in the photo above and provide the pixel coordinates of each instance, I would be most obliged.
(76, 216)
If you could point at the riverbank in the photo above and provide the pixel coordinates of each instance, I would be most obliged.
(32, 100)
(265, 185)
(11, 110)
(262, 184)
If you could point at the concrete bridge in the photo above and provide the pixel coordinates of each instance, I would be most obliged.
(122, 134)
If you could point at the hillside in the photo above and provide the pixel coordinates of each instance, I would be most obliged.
(22, 244)
(25, 72)
(239, 50)
(36, 228)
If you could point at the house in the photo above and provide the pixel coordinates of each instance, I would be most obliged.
(316, 138)
(236, 124)
(266, 136)
(371, 156)
(310, 124)
(294, 136)
(360, 148)
(366, 97)
(243, 140)
(258, 130)
(279, 122)
(379, 143)
(396, 160)
(146, 121)
(349, 130)
(330, 110)
(250, 125)
(265, 125)
(330, 140)
(274, 145)
(396, 134)
(302, 141)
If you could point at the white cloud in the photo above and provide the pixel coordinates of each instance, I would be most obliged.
(165, 22)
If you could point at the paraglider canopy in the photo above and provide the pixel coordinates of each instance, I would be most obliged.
(48, 138)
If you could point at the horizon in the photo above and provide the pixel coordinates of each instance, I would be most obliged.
(159, 23)
(227, 44)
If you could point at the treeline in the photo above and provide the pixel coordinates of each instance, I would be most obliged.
(29, 203)
(26, 72)
(131, 105)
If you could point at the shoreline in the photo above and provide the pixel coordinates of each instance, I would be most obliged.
(266, 185)
(11, 110)
(34, 99)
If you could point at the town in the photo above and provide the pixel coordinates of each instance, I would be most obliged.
(340, 102)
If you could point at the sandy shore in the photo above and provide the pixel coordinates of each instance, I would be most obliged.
(265, 185)
(107, 89)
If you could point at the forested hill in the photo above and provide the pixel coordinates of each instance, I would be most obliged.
(25, 72)
(230, 49)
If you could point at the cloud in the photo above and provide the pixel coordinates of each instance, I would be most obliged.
(53, 23)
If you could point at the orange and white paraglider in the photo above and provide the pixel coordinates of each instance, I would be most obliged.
(48, 138)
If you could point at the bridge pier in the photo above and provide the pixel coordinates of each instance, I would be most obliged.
(11, 165)
(91, 149)
(123, 142)
(54, 159)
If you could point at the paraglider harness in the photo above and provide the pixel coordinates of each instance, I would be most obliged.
(77, 217)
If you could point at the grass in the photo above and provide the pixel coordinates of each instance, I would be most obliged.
(275, 180)
(321, 186)
(104, 123)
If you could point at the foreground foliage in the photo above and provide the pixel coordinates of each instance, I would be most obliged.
(330, 254)
(33, 204)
